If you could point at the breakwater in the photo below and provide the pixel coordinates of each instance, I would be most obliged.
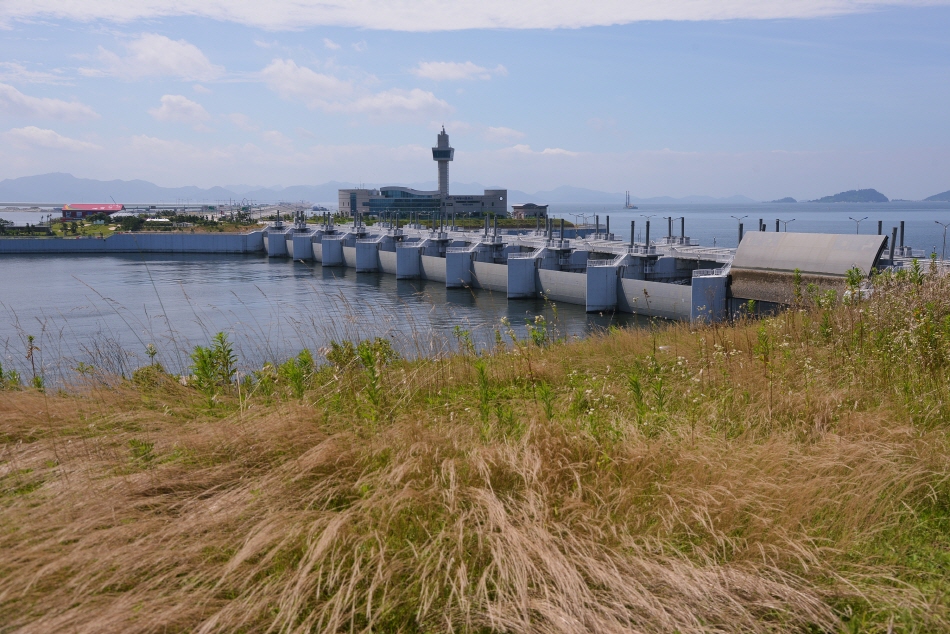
(226, 243)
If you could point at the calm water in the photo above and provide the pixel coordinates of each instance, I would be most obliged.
(105, 310)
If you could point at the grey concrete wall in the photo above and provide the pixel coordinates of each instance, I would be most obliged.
(141, 243)
(299, 246)
(602, 285)
(708, 299)
(670, 301)
(387, 262)
(366, 256)
(522, 278)
(318, 251)
(491, 276)
(276, 242)
(563, 286)
(458, 269)
(349, 256)
(408, 266)
(332, 251)
(433, 268)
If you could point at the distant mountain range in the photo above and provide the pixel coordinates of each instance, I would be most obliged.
(62, 188)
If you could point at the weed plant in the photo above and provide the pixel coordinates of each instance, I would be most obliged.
(784, 474)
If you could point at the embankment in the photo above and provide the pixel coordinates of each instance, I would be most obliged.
(140, 243)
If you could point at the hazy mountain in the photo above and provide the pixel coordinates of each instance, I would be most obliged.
(855, 196)
(939, 198)
(325, 193)
(787, 199)
(65, 188)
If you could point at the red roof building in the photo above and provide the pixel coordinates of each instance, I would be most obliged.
(79, 211)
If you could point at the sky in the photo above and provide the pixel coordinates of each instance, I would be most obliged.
(799, 98)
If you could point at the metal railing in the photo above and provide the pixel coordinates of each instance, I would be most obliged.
(709, 272)
(525, 256)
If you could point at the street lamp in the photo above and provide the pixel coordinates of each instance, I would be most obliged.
(943, 254)
(857, 223)
(739, 220)
(785, 222)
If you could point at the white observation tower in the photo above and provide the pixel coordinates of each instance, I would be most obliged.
(443, 154)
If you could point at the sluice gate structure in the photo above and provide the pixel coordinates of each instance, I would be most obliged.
(673, 278)
(670, 278)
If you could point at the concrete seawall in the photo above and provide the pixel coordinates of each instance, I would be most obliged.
(601, 274)
(235, 243)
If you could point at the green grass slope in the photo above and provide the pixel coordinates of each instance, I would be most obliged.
(790, 474)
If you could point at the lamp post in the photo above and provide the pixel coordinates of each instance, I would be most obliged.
(857, 223)
(785, 222)
(943, 254)
(646, 238)
(739, 220)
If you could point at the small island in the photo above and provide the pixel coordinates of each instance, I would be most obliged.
(939, 198)
(855, 196)
(787, 199)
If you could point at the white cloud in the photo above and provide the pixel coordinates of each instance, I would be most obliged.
(438, 15)
(181, 109)
(443, 71)
(13, 71)
(14, 102)
(303, 84)
(330, 44)
(201, 90)
(359, 47)
(502, 134)
(242, 122)
(551, 151)
(278, 140)
(559, 151)
(153, 55)
(398, 103)
(318, 90)
(31, 136)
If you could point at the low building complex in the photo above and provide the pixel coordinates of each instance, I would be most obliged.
(405, 201)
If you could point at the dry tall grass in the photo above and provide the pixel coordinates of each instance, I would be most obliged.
(776, 475)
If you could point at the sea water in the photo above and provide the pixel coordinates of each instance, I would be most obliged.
(105, 310)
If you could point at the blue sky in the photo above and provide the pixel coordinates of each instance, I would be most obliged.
(673, 98)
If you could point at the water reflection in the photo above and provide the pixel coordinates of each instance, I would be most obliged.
(105, 309)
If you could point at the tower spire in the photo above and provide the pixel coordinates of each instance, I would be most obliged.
(442, 153)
